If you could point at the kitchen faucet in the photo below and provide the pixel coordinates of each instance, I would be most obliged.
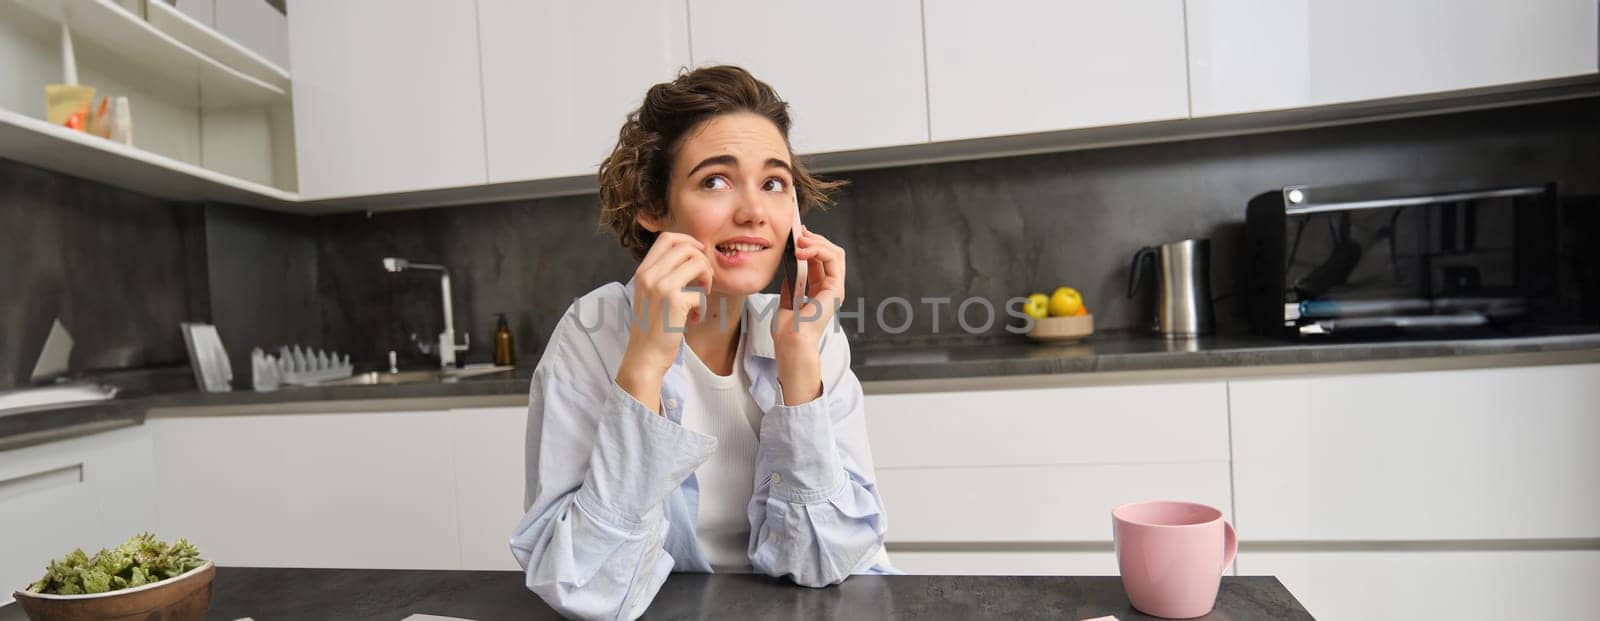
(447, 338)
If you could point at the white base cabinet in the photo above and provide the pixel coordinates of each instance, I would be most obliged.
(360, 490)
(89, 492)
(1452, 455)
(386, 490)
(1023, 481)
(490, 449)
(1452, 494)
(1373, 586)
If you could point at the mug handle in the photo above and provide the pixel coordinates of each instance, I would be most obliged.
(1230, 543)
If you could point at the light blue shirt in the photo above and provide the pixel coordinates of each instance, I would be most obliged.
(611, 491)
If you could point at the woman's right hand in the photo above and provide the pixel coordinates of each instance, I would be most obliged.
(674, 263)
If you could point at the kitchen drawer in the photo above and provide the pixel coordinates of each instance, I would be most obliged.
(1159, 423)
(1035, 503)
(1337, 585)
(89, 492)
(358, 490)
(1503, 453)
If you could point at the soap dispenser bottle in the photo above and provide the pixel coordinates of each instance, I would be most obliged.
(503, 355)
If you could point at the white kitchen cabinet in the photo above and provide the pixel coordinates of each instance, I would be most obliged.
(1253, 55)
(358, 490)
(489, 466)
(257, 26)
(1024, 66)
(1035, 503)
(89, 492)
(1023, 481)
(560, 77)
(387, 96)
(1502, 453)
(851, 71)
(1487, 585)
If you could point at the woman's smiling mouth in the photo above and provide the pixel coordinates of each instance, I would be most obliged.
(734, 252)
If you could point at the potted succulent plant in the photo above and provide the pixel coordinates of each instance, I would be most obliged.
(144, 578)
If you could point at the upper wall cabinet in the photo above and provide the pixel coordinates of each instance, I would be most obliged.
(1022, 66)
(387, 96)
(852, 71)
(560, 77)
(1253, 55)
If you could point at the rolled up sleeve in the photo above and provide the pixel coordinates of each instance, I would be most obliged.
(816, 515)
(591, 543)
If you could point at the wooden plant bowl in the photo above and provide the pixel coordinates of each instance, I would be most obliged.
(185, 597)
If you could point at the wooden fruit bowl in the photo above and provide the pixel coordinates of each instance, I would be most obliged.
(1062, 329)
(180, 598)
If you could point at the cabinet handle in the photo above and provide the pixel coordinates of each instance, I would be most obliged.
(40, 481)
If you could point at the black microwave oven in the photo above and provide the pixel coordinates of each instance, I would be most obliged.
(1401, 258)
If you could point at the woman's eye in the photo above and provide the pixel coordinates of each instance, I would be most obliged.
(715, 182)
(776, 185)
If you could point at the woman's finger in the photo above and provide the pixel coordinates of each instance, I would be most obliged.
(658, 270)
(694, 270)
(666, 243)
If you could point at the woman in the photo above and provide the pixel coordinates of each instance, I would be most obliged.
(685, 421)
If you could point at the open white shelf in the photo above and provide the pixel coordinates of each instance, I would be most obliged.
(105, 24)
(38, 143)
(169, 19)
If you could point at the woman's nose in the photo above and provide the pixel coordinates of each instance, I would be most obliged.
(752, 209)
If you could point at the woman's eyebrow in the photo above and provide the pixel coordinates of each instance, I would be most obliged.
(712, 161)
(734, 161)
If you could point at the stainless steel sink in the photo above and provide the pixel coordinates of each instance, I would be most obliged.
(374, 378)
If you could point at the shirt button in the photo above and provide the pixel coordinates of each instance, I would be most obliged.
(672, 403)
(776, 478)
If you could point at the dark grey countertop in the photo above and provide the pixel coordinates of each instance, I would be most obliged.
(389, 595)
(174, 387)
(1128, 352)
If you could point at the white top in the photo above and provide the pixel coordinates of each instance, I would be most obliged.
(721, 406)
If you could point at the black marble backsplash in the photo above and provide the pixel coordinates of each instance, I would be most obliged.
(119, 269)
(993, 228)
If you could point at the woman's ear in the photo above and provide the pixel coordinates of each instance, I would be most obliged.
(649, 222)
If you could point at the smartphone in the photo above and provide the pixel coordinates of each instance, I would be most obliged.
(794, 270)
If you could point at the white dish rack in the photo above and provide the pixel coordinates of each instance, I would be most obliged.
(297, 366)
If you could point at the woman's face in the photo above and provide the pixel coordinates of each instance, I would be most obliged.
(731, 187)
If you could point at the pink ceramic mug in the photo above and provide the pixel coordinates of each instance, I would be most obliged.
(1171, 555)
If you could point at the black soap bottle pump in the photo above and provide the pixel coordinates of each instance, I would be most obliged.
(503, 350)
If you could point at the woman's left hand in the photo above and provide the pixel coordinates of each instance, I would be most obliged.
(797, 336)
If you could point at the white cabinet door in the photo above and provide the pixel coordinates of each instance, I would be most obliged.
(1458, 584)
(1023, 66)
(560, 77)
(1020, 504)
(852, 72)
(387, 96)
(968, 477)
(1250, 55)
(1451, 455)
(489, 449)
(257, 26)
(359, 490)
(90, 492)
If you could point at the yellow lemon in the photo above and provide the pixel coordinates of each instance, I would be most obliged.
(1065, 302)
(1037, 306)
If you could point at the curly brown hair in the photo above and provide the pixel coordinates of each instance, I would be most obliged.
(633, 179)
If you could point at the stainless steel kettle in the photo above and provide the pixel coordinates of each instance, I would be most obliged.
(1183, 273)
